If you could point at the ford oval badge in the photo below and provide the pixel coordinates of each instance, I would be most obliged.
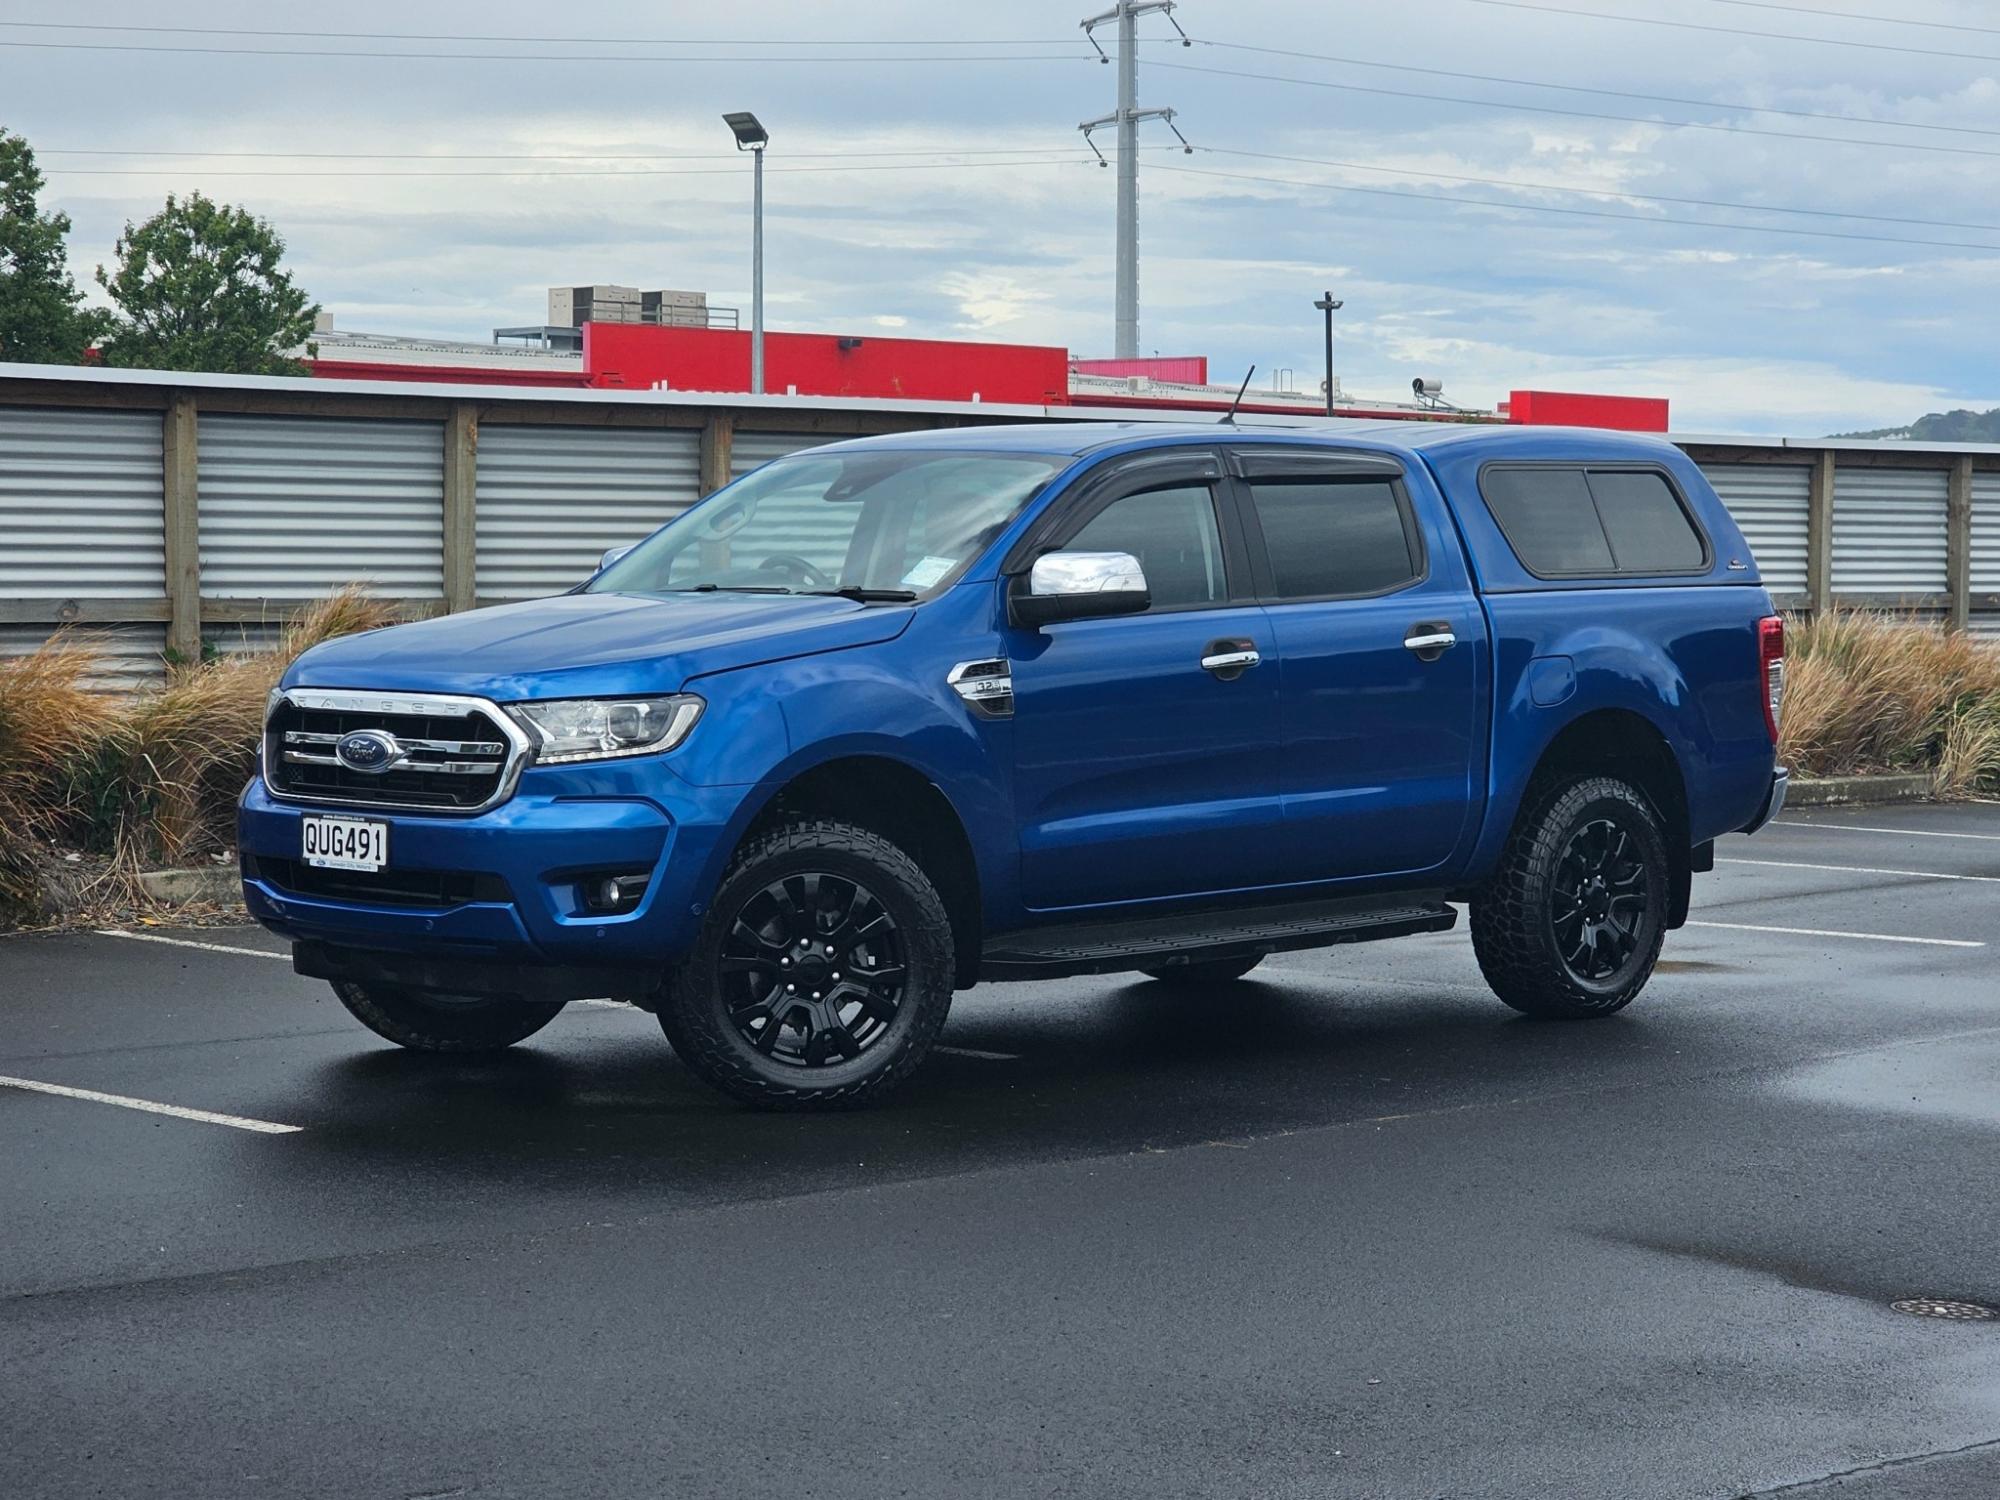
(371, 751)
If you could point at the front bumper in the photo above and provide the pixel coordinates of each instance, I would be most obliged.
(1774, 800)
(503, 888)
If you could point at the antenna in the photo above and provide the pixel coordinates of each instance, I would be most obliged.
(1237, 400)
(1127, 117)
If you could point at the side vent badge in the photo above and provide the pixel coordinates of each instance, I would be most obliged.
(988, 686)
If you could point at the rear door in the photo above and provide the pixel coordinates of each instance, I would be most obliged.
(1380, 643)
(1139, 773)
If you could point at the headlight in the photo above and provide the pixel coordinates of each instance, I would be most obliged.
(571, 729)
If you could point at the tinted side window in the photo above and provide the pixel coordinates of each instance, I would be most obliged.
(1649, 531)
(1333, 537)
(1549, 519)
(1173, 534)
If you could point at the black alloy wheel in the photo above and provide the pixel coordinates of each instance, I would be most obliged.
(813, 969)
(822, 972)
(1600, 896)
(1570, 924)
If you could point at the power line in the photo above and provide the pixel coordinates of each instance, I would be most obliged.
(530, 156)
(1583, 213)
(1551, 187)
(1014, 157)
(1769, 36)
(1576, 114)
(531, 173)
(576, 41)
(1849, 15)
(542, 60)
(1573, 88)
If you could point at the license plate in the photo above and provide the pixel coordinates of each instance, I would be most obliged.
(345, 843)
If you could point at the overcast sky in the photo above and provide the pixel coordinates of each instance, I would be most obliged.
(1829, 323)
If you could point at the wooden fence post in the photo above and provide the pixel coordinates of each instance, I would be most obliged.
(1958, 542)
(1819, 535)
(461, 507)
(180, 499)
(718, 439)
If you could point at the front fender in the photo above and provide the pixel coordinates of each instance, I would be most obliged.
(891, 705)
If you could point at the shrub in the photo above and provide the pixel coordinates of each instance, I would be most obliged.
(48, 718)
(150, 778)
(177, 758)
(1874, 692)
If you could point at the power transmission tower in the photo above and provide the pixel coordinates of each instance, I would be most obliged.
(1126, 13)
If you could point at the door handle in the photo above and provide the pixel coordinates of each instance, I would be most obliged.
(1430, 639)
(1227, 659)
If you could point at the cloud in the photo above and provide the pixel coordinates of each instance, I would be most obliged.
(1002, 230)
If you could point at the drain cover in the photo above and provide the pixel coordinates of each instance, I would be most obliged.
(1935, 1307)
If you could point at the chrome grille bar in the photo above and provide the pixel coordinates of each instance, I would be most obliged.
(444, 767)
(443, 747)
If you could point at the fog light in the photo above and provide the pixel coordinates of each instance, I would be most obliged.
(611, 894)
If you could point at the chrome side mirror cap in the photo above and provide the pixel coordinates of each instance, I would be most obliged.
(612, 554)
(1079, 586)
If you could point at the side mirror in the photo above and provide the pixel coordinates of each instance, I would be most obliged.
(1079, 586)
(612, 554)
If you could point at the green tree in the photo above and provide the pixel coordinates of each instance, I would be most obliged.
(41, 317)
(199, 286)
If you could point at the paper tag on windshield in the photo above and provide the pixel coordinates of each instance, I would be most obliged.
(928, 571)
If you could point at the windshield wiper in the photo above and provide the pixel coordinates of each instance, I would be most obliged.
(733, 588)
(868, 596)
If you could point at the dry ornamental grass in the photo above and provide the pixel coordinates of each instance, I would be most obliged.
(1873, 692)
(144, 780)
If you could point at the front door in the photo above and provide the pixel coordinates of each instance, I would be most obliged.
(1140, 773)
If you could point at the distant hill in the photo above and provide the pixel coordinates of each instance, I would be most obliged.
(1941, 427)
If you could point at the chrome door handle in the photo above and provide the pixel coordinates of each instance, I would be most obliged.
(1430, 640)
(1231, 661)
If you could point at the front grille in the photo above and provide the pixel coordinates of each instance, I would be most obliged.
(456, 759)
(379, 887)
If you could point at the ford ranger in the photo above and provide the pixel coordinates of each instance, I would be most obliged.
(888, 718)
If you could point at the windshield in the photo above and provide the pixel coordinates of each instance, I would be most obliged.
(886, 524)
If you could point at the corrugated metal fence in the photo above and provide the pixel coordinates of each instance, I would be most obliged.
(160, 516)
(1773, 505)
(551, 499)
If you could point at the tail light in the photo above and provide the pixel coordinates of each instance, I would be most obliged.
(1771, 669)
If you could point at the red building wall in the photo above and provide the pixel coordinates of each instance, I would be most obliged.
(1182, 369)
(1570, 409)
(639, 357)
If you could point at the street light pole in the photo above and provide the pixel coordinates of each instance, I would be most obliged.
(1329, 305)
(757, 279)
(753, 137)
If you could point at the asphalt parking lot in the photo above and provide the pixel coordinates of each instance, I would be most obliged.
(1348, 1228)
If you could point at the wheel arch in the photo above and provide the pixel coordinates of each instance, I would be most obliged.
(896, 800)
(1624, 743)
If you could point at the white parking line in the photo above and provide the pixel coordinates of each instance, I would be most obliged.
(1872, 937)
(150, 937)
(1790, 864)
(153, 1107)
(1915, 833)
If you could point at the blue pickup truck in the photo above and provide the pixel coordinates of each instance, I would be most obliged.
(888, 718)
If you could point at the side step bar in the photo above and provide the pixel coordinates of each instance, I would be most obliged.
(1192, 937)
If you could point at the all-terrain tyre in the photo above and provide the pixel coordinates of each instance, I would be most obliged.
(1203, 973)
(443, 1023)
(822, 974)
(1571, 923)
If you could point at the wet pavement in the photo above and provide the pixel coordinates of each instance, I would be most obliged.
(1348, 1228)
